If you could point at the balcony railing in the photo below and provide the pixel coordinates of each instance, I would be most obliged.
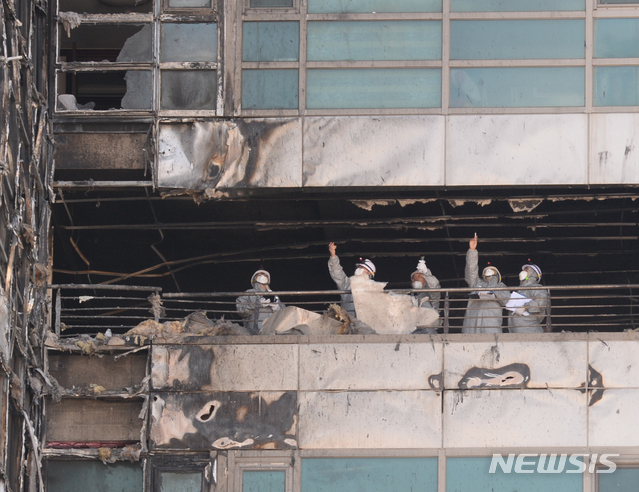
(91, 309)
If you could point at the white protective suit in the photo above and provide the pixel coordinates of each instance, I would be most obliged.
(255, 308)
(429, 300)
(343, 283)
(530, 319)
(483, 315)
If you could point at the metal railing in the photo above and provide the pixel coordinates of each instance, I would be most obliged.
(91, 309)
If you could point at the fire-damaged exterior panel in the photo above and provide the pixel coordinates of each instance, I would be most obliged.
(107, 372)
(224, 420)
(206, 367)
(85, 420)
(618, 359)
(383, 366)
(370, 419)
(612, 421)
(502, 418)
(550, 364)
(100, 151)
(230, 154)
(614, 157)
(374, 151)
(488, 149)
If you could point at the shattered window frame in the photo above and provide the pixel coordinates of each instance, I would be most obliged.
(183, 463)
(161, 13)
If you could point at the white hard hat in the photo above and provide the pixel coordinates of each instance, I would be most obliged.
(534, 268)
(489, 271)
(368, 265)
(257, 277)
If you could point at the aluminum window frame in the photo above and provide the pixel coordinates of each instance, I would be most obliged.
(239, 462)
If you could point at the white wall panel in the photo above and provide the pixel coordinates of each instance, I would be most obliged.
(614, 154)
(361, 420)
(503, 418)
(374, 151)
(369, 366)
(612, 421)
(516, 149)
(552, 364)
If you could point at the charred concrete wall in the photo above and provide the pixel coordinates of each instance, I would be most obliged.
(24, 240)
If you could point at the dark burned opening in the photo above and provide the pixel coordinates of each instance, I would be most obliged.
(138, 237)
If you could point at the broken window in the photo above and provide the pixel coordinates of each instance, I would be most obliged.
(181, 473)
(106, 6)
(80, 476)
(107, 43)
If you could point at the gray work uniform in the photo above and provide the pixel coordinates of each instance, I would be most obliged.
(343, 283)
(254, 311)
(429, 300)
(536, 308)
(483, 315)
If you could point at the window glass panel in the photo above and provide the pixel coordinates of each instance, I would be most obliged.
(188, 42)
(515, 5)
(369, 474)
(80, 476)
(370, 6)
(527, 39)
(180, 482)
(270, 89)
(271, 3)
(98, 7)
(271, 41)
(616, 86)
(264, 481)
(188, 89)
(112, 42)
(516, 87)
(621, 480)
(612, 2)
(376, 40)
(105, 90)
(472, 474)
(616, 38)
(189, 3)
(374, 88)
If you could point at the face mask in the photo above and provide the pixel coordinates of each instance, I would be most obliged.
(523, 275)
(360, 271)
(418, 285)
(262, 279)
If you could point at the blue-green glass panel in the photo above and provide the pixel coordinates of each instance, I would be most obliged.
(516, 87)
(370, 6)
(616, 38)
(271, 3)
(616, 86)
(473, 475)
(516, 39)
(80, 476)
(369, 474)
(188, 42)
(264, 481)
(374, 88)
(621, 480)
(270, 89)
(180, 482)
(271, 41)
(515, 5)
(188, 89)
(374, 40)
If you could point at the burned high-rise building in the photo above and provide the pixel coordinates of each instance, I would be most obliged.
(161, 157)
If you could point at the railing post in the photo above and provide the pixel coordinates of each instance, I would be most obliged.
(548, 310)
(58, 308)
(446, 313)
